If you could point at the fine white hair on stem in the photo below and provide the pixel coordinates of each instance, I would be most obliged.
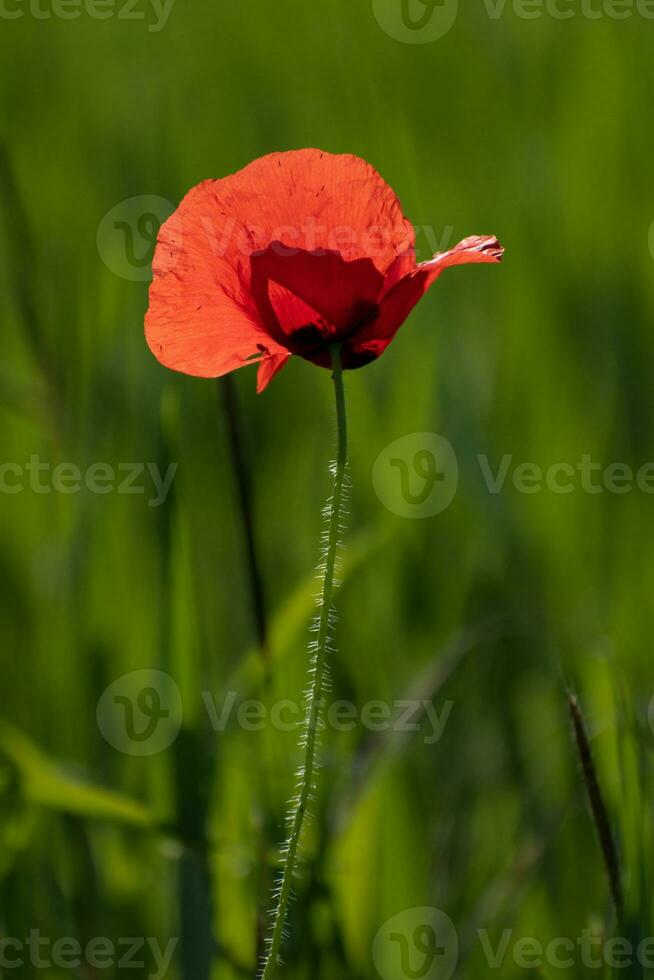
(319, 683)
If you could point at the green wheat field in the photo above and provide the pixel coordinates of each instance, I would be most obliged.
(459, 844)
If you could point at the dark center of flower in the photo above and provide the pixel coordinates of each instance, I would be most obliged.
(309, 338)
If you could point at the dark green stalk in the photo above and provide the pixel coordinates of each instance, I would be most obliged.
(230, 408)
(598, 807)
(193, 770)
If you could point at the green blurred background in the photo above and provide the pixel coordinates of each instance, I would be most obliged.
(537, 130)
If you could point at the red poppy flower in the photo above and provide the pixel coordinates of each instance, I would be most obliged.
(295, 252)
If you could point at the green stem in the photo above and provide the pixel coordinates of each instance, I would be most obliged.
(319, 669)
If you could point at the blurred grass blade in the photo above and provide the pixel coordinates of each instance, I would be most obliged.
(376, 754)
(193, 765)
(47, 784)
(21, 257)
(288, 623)
(193, 760)
(228, 395)
(597, 806)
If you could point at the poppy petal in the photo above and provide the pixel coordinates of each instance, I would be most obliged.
(304, 287)
(280, 307)
(268, 368)
(314, 201)
(201, 319)
(477, 248)
(403, 264)
(398, 302)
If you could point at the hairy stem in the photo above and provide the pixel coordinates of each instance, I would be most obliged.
(318, 681)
